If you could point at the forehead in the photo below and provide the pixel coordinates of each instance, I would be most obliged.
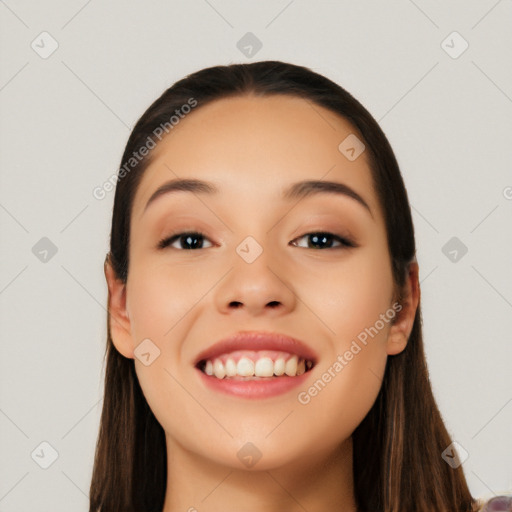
(255, 146)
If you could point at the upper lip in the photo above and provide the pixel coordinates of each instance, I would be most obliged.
(258, 340)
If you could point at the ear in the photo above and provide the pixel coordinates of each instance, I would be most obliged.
(401, 328)
(119, 320)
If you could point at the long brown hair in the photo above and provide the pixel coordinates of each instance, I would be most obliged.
(397, 448)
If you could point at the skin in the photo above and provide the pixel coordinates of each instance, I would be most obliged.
(184, 301)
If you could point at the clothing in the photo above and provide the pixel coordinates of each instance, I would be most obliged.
(498, 504)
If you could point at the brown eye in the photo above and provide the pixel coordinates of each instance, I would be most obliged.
(188, 240)
(325, 240)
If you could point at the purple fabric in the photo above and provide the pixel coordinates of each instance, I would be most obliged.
(499, 504)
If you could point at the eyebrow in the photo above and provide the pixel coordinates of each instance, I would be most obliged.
(297, 190)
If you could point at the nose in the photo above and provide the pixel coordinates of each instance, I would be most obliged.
(260, 287)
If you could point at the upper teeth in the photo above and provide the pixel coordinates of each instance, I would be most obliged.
(260, 367)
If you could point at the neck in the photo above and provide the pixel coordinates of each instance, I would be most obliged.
(320, 482)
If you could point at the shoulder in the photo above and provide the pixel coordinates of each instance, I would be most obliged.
(497, 504)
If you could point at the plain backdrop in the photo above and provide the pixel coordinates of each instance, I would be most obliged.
(75, 77)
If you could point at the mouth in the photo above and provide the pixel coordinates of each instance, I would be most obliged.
(256, 364)
(251, 365)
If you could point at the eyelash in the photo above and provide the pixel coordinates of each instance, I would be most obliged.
(346, 243)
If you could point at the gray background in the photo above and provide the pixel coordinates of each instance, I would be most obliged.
(64, 122)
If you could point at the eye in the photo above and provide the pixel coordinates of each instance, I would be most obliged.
(192, 240)
(324, 240)
(188, 240)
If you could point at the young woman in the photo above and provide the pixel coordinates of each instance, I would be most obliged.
(264, 348)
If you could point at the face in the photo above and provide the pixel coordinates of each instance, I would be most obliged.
(314, 267)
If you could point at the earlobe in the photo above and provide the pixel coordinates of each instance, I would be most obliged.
(119, 320)
(401, 328)
(396, 343)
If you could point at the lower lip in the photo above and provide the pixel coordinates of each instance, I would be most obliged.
(257, 388)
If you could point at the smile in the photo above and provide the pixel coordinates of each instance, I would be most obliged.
(252, 364)
(248, 365)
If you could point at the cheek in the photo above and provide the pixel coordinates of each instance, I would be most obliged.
(161, 310)
(353, 297)
(355, 305)
(159, 298)
(341, 395)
